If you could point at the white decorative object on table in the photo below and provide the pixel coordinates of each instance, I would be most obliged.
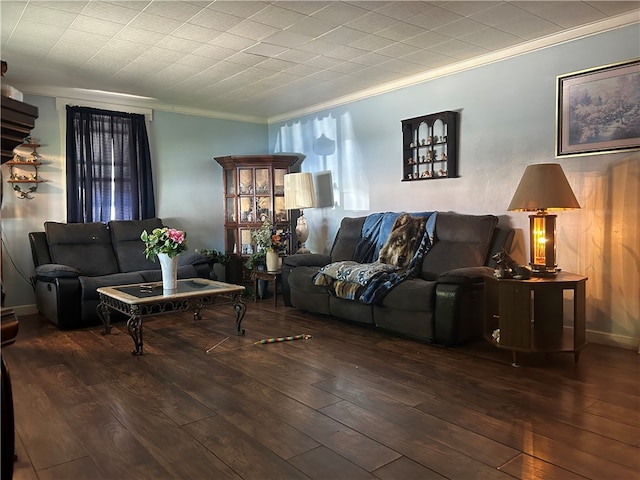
(274, 262)
(169, 267)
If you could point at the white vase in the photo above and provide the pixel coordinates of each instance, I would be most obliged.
(169, 267)
(273, 261)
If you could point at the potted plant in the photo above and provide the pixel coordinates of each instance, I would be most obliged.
(256, 260)
(213, 257)
(271, 242)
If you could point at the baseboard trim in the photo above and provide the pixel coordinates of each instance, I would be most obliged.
(25, 310)
(613, 340)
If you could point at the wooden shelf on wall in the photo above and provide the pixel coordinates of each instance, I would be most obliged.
(18, 119)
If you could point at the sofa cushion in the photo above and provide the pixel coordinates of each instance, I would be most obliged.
(129, 249)
(412, 295)
(91, 284)
(460, 241)
(346, 239)
(84, 246)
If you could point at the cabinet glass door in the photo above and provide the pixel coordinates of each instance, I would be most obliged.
(278, 180)
(280, 212)
(229, 182)
(263, 186)
(231, 210)
(246, 181)
(247, 213)
(263, 207)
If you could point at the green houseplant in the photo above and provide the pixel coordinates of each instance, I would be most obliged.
(256, 259)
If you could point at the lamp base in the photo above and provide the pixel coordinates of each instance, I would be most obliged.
(543, 271)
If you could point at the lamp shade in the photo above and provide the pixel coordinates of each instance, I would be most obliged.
(543, 187)
(298, 191)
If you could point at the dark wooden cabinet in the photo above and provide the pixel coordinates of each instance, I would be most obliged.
(253, 188)
(430, 147)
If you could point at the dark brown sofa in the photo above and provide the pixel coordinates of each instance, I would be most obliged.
(442, 304)
(73, 260)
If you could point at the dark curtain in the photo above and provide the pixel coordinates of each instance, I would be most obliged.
(108, 163)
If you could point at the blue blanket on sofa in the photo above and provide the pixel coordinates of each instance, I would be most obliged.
(366, 279)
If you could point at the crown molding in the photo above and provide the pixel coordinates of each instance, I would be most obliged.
(511, 52)
(129, 103)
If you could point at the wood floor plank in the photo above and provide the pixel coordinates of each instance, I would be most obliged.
(321, 463)
(531, 468)
(246, 456)
(406, 469)
(81, 469)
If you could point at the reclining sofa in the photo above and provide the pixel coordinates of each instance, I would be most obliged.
(441, 303)
(73, 260)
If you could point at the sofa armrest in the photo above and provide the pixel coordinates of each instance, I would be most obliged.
(299, 260)
(191, 258)
(465, 276)
(460, 305)
(51, 271)
(307, 260)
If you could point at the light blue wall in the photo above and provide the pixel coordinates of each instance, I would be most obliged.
(507, 121)
(187, 179)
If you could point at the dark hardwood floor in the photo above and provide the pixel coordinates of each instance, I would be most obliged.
(349, 403)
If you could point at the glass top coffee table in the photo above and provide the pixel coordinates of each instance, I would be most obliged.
(145, 299)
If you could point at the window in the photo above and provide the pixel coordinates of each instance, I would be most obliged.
(108, 166)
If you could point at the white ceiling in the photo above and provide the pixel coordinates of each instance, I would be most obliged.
(267, 59)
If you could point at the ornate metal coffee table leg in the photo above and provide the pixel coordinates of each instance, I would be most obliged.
(105, 316)
(240, 308)
(134, 327)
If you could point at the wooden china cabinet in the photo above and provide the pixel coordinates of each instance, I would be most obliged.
(253, 188)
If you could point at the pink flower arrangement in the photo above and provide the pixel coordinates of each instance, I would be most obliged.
(164, 240)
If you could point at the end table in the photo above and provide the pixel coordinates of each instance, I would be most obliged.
(528, 315)
(268, 277)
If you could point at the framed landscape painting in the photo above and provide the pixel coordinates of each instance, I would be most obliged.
(598, 110)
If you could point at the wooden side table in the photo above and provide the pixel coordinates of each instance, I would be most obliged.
(268, 277)
(528, 315)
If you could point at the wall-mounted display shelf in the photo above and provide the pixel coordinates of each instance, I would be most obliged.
(429, 146)
(24, 170)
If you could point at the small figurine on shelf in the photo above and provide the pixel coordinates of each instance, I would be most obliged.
(444, 157)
